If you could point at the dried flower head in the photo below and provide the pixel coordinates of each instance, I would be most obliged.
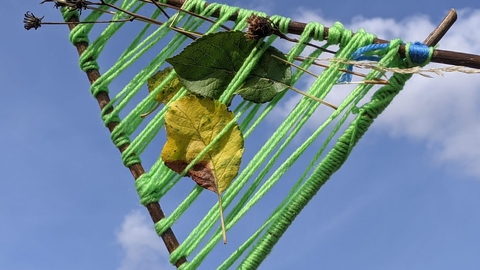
(72, 4)
(259, 27)
(30, 21)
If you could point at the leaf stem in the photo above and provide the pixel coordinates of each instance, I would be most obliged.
(143, 115)
(222, 221)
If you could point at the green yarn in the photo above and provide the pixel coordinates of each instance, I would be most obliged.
(147, 189)
(270, 164)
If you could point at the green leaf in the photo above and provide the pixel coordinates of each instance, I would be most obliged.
(208, 65)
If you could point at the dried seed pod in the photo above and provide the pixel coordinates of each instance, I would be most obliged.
(259, 27)
(30, 21)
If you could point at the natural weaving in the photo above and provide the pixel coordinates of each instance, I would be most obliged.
(285, 162)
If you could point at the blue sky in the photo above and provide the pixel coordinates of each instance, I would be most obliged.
(407, 198)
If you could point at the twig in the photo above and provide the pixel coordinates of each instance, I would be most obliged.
(186, 11)
(442, 28)
(154, 209)
(161, 9)
(146, 19)
(439, 56)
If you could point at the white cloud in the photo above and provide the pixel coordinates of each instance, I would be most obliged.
(443, 112)
(142, 247)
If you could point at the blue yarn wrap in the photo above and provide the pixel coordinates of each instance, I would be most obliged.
(416, 53)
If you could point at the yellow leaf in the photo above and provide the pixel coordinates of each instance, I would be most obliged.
(192, 123)
(169, 90)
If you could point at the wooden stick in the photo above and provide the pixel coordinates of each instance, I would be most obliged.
(441, 29)
(137, 170)
(439, 56)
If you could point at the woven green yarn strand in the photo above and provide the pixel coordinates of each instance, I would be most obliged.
(300, 46)
(165, 223)
(247, 122)
(122, 63)
(281, 22)
(335, 34)
(142, 32)
(225, 13)
(98, 45)
(82, 29)
(241, 249)
(331, 163)
(350, 101)
(80, 34)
